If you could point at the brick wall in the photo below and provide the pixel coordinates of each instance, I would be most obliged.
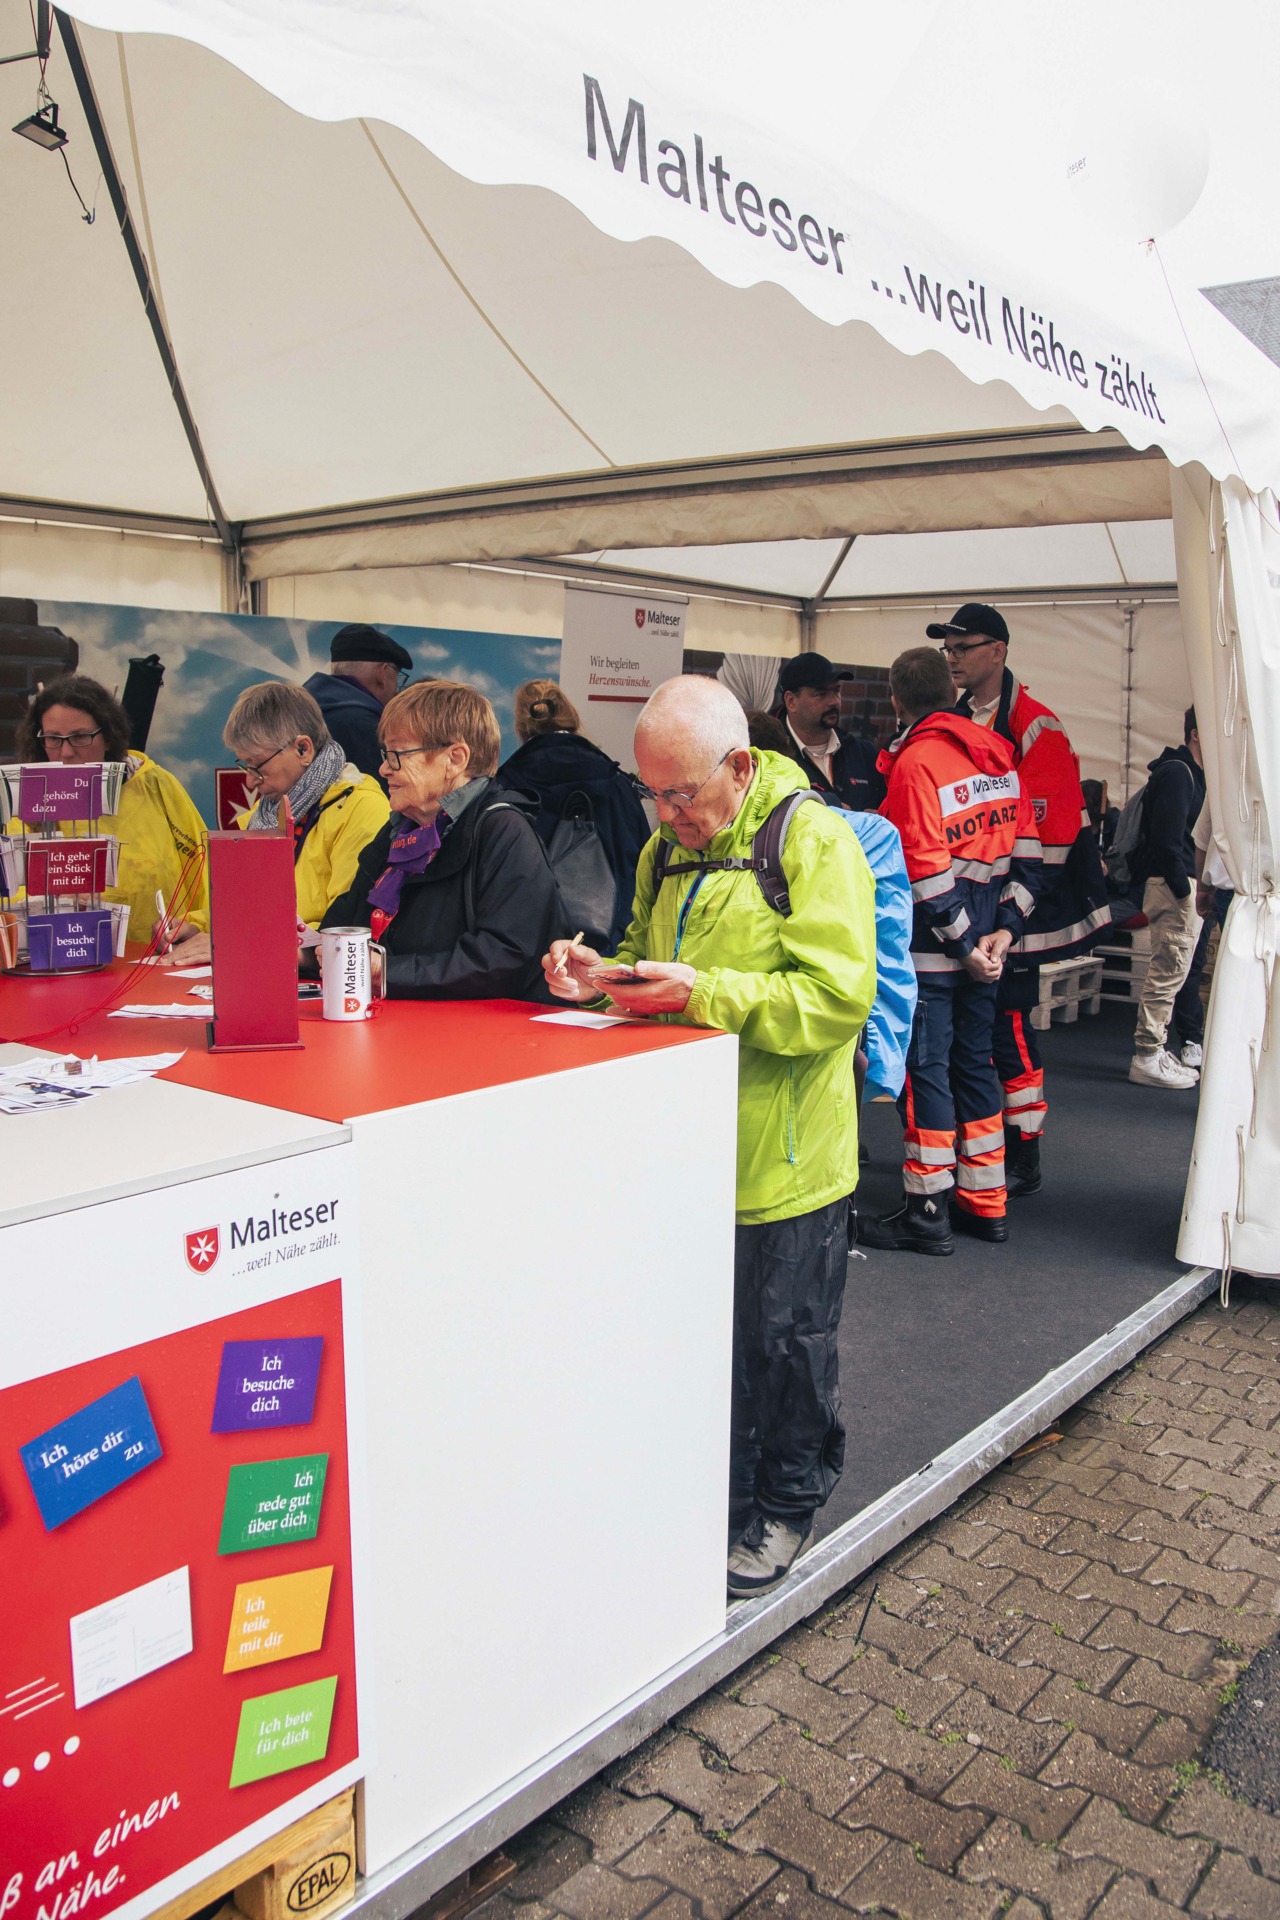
(865, 706)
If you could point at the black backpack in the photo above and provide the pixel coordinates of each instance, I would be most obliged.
(577, 858)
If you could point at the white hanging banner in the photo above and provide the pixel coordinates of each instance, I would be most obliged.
(617, 648)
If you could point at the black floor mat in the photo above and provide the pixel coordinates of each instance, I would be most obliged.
(931, 1348)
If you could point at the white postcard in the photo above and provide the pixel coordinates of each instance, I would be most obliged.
(133, 1634)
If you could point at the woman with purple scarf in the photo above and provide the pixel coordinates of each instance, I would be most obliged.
(456, 887)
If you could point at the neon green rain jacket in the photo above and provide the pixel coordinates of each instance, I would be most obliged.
(795, 990)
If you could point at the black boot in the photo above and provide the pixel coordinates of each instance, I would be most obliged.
(919, 1226)
(1021, 1163)
(979, 1226)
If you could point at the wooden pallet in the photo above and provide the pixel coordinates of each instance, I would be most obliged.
(308, 1869)
(1125, 964)
(1068, 987)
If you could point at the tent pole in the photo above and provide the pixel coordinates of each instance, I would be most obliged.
(1126, 755)
(141, 273)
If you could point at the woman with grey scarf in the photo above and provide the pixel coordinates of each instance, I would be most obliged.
(299, 782)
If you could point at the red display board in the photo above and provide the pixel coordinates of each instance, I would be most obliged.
(177, 1642)
(253, 928)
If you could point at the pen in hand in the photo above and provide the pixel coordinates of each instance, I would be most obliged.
(165, 942)
(562, 962)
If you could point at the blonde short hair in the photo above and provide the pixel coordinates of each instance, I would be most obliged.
(439, 712)
(272, 713)
(543, 706)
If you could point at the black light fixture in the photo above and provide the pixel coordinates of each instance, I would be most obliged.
(42, 128)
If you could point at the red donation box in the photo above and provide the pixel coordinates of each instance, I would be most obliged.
(253, 926)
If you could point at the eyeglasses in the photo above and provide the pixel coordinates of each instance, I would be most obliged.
(246, 767)
(403, 675)
(51, 742)
(958, 653)
(394, 757)
(676, 796)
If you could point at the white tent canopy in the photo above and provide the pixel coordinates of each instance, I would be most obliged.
(359, 315)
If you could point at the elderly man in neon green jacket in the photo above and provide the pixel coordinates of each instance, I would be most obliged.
(796, 988)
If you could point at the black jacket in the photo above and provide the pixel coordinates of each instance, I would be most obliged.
(554, 767)
(1169, 813)
(476, 924)
(855, 780)
(351, 714)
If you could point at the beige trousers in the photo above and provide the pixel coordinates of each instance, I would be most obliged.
(1175, 928)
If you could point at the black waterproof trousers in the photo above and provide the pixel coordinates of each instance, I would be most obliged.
(787, 1435)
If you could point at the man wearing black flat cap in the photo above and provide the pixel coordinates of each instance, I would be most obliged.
(840, 767)
(1072, 909)
(367, 668)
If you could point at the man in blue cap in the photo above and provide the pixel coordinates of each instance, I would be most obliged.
(367, 667)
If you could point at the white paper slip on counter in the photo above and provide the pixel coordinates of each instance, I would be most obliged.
(580, 1017)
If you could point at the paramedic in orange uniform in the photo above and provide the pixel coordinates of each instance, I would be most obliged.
(1072, 909)
(973, 858)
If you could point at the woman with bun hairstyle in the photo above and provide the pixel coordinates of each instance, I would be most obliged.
(571, 777)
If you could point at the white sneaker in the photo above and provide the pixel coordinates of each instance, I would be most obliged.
(1192, 1054)
(1160, 1070)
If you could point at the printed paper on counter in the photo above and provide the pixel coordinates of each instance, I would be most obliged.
(132, 1635)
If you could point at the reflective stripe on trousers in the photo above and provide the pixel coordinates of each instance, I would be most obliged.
(951, 1087)
(1015, 1049)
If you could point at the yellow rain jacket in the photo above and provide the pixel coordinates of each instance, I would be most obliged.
(795, 990)
(353, 811)
(159, 830)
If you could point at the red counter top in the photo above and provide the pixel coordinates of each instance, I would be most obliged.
(411, 1050)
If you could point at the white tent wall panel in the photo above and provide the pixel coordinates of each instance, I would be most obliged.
(459, 597)
(42, 562)
(494, 601)
(1161, 691)
(1070, 655)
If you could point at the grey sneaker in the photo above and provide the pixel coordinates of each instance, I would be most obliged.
(1160, 1070)
(1192, 1054)
(763, 1557)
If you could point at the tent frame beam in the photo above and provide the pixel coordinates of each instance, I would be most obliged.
(633, 579)
(142, 273)
(763, 473)
(69, 513)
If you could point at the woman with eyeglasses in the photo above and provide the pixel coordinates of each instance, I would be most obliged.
(161, 834)
(456, 886)
(283, 747)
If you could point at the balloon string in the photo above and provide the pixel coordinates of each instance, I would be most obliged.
(1273, 525)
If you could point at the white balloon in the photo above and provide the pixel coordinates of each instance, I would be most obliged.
(1137, 163)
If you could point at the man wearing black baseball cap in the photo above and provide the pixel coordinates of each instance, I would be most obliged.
(840, 767)
(368, 666)
(1072, 910)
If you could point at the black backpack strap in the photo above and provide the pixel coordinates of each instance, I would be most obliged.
(468, 879)
(766, 849)
(765, 859)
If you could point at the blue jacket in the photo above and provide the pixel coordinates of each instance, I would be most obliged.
(888, 1030)
(351, 714)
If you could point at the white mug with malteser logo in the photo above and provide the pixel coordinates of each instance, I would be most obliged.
(346, 969)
